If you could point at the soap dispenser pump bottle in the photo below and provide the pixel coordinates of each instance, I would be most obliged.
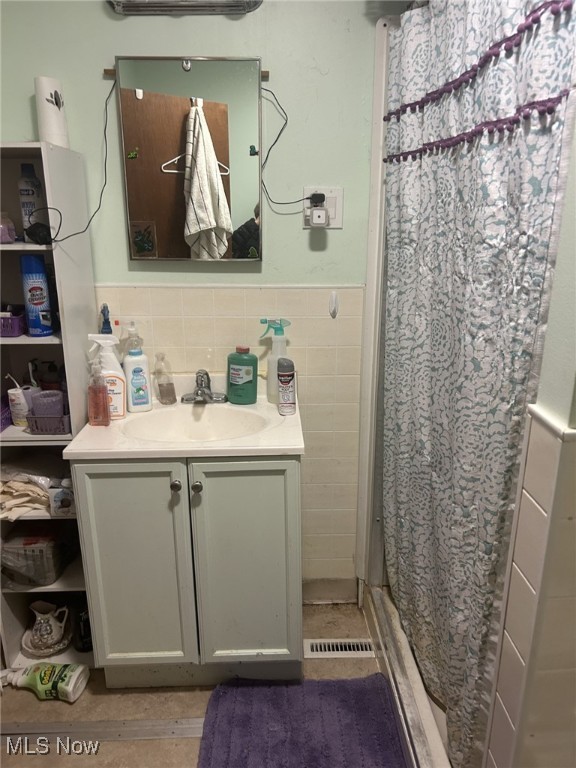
(137, 373)
(98, 405)
(278, 350)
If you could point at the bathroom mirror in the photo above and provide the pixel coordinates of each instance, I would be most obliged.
(173, 111)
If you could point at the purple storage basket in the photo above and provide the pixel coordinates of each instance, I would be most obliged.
(15, 325)
(50, 425)
(5, 418)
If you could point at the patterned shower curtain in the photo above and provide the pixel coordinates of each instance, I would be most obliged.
(480, 107)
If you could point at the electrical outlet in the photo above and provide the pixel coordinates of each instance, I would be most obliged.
(334, 200)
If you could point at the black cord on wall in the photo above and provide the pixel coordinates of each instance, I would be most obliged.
(270, 148)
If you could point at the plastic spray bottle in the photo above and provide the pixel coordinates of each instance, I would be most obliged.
(278, 350)
(112, 372)
(105, 326)
(137, 373)
(49, 681)
(164, 381)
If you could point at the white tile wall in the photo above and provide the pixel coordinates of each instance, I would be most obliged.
(534, 719)
(558, 634)
(520, 612)
(490, 762)
(511, 679)
(529, 547)
(502, 736)
(542, 464)
(198, 327)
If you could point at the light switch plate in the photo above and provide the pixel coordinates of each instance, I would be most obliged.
(334, 203)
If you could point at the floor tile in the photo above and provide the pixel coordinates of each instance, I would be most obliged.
(338, 621)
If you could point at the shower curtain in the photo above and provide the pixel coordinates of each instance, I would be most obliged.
(480, 111)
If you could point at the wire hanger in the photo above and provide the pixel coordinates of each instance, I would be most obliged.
(195, 101)
(224, 170)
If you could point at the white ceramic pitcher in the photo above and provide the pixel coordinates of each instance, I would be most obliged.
(48, 628)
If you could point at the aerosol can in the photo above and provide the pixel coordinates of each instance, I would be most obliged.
(286, 387)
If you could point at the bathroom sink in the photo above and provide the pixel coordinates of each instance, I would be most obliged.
(205, 423)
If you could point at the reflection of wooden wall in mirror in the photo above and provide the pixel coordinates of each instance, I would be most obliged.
(154, 131)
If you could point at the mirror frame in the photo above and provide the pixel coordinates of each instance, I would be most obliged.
(183, 61)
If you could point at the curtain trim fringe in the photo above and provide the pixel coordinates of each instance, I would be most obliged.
(506, 44)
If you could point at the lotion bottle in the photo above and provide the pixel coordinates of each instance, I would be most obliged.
(242, 378)
(137, 372)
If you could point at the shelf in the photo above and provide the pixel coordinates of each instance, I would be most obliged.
(16, 150)
(21, 247)
(35, 340)
(72, 580)
(69, 656)
(39, 516)
(17, 436)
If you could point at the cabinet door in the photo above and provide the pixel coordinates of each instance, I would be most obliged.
(246, 525)
(135, 534)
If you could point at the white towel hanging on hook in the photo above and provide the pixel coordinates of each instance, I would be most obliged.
(208, 224)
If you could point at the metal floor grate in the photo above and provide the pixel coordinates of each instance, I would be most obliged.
(338, 649)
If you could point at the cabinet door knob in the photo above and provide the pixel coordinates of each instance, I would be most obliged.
(175, 485)
(197, 486)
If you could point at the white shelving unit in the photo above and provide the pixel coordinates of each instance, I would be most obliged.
(61, 172)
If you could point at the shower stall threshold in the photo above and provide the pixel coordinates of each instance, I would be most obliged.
(423, 746)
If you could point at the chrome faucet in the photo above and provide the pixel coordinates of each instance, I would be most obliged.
(203, 391)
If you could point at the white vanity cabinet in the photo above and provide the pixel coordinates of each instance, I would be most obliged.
(136, 545)
(192, 560)
(246, 532)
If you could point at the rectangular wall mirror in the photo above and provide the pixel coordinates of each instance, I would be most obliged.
(191, 132)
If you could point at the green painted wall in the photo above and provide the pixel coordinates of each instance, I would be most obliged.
(321, 58)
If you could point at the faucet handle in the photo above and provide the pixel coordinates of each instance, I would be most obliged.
(203, 378)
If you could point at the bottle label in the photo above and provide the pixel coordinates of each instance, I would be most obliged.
(139, 394)
(240, 374)
(37, 301)
(116, 397)
(286, 393)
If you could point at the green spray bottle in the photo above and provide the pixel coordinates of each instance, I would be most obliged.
(278, 350)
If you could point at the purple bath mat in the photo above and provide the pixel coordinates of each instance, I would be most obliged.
(309, 724)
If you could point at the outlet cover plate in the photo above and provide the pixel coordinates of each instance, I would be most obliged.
(334, 202)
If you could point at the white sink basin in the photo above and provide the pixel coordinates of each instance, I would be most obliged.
(198, 423)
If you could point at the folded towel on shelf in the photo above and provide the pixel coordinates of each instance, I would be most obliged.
(18, 497)
(208, 221)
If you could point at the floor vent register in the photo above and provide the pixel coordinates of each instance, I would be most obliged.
(338, 649)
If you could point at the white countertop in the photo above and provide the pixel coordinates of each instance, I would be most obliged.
(280, 436)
